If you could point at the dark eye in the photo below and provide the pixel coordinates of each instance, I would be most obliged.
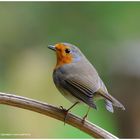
(67, 50)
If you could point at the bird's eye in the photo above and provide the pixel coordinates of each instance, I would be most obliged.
(67, 50)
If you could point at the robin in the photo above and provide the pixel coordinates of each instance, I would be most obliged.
(77, 79)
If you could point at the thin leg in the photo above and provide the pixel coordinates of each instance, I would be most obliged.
(84, 118)
(67, 110)
(72, 106)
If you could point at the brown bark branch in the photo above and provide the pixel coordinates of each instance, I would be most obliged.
(54, 112)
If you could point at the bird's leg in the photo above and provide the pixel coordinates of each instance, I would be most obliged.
(67, 110)
(84, 118)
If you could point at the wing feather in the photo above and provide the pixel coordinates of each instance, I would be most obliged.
(80, 91)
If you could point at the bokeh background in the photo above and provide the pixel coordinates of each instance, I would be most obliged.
(108, 33)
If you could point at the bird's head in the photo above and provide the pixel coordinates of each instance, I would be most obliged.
(66, 53)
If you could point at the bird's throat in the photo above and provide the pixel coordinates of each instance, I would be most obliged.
(62, 60)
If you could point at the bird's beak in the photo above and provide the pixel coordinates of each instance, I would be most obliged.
(52, 47)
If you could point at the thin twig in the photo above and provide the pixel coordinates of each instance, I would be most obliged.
(54, 112)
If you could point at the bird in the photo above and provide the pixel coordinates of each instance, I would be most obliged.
(78, 80)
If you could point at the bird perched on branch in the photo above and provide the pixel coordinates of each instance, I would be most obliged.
(77, 79)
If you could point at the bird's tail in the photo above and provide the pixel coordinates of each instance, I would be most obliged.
(109, 106)
(111, 100)
(116, 103)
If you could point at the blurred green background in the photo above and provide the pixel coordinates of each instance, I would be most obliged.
(108, 33)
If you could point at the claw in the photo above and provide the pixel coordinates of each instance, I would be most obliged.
(84, 118)
(61, 107)
(65, 112)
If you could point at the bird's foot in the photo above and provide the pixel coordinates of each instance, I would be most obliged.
(61, 107)
(66, 111)
(84, 118)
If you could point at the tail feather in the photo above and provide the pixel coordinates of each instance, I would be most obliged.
(114, 101)
(109, 106)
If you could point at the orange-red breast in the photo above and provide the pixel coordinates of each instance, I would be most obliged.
(77, 79)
